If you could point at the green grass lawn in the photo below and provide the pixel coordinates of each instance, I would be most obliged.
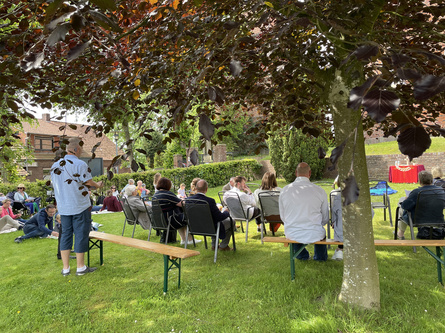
(245, 291)
(385, 148)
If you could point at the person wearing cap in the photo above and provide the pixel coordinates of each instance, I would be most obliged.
(71, 179)
(23, 197)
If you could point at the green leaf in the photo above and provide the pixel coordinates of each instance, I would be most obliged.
(269, 4)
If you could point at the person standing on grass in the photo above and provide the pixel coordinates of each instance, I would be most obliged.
(304, 211)
(36, 225)
(70, 178)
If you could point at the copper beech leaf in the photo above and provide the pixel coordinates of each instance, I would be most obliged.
(206, 128)
(378, 103)
(351, 191)
(428, 86)
(335, 155)
(194, 157)
(413, 142)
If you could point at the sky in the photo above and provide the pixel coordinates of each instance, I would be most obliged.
(77, 118)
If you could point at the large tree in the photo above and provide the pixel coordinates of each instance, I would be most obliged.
(294, 61)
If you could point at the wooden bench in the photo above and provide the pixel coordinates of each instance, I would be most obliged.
(172, 254)
(424, 243)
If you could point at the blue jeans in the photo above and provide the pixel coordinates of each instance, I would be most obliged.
(78, 225)
(320, 252)
(32, 231)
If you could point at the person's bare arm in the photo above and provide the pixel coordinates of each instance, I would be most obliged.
(92, 183)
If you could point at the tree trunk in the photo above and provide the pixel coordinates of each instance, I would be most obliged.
(360, 285)
(126, 130)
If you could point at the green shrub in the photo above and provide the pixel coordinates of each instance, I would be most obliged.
(215, 174)
(37, 188)
(291, 147)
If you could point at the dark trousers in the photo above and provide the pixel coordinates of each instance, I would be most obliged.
(320, 252)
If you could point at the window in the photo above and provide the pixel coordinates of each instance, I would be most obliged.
(43, 143)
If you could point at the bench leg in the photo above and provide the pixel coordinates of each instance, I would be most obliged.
(170, 263)
(99, 244)
(293, 255)
(439, 260)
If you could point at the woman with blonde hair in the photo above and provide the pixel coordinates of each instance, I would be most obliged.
(156, 178)
(193, 186)
(269, 183)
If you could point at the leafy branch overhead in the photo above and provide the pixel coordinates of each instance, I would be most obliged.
(131, 59)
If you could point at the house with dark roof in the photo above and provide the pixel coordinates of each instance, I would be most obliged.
(45, 134)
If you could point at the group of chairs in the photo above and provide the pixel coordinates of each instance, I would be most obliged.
(200, 222)
(197, 214)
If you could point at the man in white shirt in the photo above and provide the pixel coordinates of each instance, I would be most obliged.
(304, 211)
(247, 199)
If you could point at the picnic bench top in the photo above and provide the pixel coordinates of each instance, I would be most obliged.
(377, 242)
(171, 251)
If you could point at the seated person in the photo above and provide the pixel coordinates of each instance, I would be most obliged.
(437, 177)
(2, 197)
(94, 208)
(269, 183)
(36, 226)
(22, 196)
(181, 192)
(7, 210)
(304, 211)
(409, 204)
(111, 203)
(137, 206)
(114, 191)
(224, 232)
(171, 206)
(7, 224)
(193, 186)
(130, 182)
(229, 185)
(156, 178)
(144, 191)
(247, 199)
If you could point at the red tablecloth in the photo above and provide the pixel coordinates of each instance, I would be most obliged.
(404, 173)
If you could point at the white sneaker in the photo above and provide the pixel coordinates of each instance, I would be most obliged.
(191, 242)
(338, 255)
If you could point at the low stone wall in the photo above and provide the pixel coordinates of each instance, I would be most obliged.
(378, 165)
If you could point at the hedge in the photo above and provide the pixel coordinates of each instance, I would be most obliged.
(216, 174)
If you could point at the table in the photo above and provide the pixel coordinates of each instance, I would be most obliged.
(404, 173)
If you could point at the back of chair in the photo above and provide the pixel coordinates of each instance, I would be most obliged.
(233, 202)
(158, 219)
(429, 207)
(128, 212)
(199, 217)
(221, 197)
(269, 203)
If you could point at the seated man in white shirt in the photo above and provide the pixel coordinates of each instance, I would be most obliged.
(304, 211)
(247, 199)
